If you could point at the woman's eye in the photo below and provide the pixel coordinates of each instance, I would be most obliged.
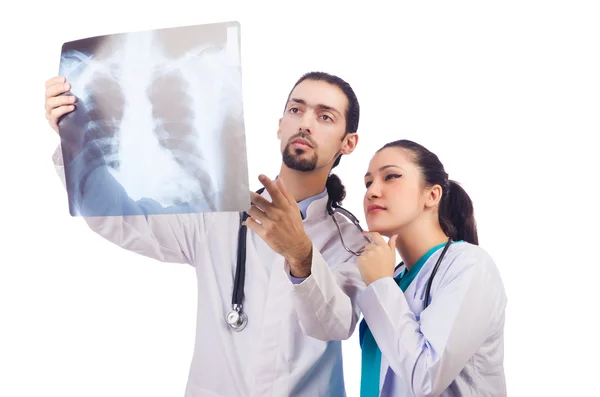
(392, 176)
(367, 184)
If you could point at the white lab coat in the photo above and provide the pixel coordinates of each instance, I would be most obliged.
(272, 356)
(455, 347)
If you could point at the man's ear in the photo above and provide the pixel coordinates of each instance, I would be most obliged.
(349, 143)
(434, 195)
(279, 129)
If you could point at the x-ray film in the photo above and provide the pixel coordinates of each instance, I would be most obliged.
(158, 125)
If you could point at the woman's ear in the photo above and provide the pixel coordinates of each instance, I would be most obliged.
(434, 195)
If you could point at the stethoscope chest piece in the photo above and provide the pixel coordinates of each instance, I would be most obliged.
(237, 319)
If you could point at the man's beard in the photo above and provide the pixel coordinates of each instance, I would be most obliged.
(292, 159)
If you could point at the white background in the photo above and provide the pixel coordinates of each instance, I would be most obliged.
(506, 93)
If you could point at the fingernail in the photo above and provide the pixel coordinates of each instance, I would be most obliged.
(67, 86)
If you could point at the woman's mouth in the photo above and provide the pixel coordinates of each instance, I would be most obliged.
(374, 208)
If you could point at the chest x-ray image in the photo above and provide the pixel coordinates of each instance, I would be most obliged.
(158, 125)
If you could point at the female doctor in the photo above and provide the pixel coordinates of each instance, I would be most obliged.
(442, 337)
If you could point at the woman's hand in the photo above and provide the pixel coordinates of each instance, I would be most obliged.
(378, 259)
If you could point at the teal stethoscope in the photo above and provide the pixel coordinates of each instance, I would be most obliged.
(236, 318)
(433, 272)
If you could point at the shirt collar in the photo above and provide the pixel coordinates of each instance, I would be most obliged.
(306, 202)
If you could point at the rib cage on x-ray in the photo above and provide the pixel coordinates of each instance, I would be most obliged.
(166, 123)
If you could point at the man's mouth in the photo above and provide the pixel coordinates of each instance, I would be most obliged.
(301, 143)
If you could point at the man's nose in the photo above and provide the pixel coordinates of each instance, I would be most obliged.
(307, 123)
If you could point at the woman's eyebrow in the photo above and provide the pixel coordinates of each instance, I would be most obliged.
(384, 168)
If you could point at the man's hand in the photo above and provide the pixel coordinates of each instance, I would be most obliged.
(58, 105)
(279, 224)
(378, 260)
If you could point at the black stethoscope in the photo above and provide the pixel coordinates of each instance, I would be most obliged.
(433, 272)
(236, 318)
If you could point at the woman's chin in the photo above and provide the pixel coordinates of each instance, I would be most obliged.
(381, 229)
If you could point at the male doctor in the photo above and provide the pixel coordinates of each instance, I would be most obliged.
(301, 284)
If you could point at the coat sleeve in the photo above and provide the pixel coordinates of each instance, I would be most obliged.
(463, 312)
(100, 200)
(326, 301)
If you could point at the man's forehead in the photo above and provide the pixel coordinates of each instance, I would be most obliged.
(319, 94)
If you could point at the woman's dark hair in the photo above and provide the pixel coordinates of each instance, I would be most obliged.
(456, 208)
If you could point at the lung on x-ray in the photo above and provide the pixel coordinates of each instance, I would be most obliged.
(158, 125)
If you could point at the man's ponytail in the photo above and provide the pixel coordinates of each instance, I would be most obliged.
(335, 189)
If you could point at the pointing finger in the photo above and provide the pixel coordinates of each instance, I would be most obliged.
(278, 198)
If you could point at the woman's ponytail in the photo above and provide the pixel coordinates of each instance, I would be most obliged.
(456, 214)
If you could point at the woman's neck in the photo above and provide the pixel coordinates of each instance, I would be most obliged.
(416, 239)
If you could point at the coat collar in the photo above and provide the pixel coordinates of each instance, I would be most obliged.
(317, 205)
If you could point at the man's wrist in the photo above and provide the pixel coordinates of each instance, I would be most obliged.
(300, 264)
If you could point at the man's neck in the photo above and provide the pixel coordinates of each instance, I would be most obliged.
(303, 185)
(416, 239)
